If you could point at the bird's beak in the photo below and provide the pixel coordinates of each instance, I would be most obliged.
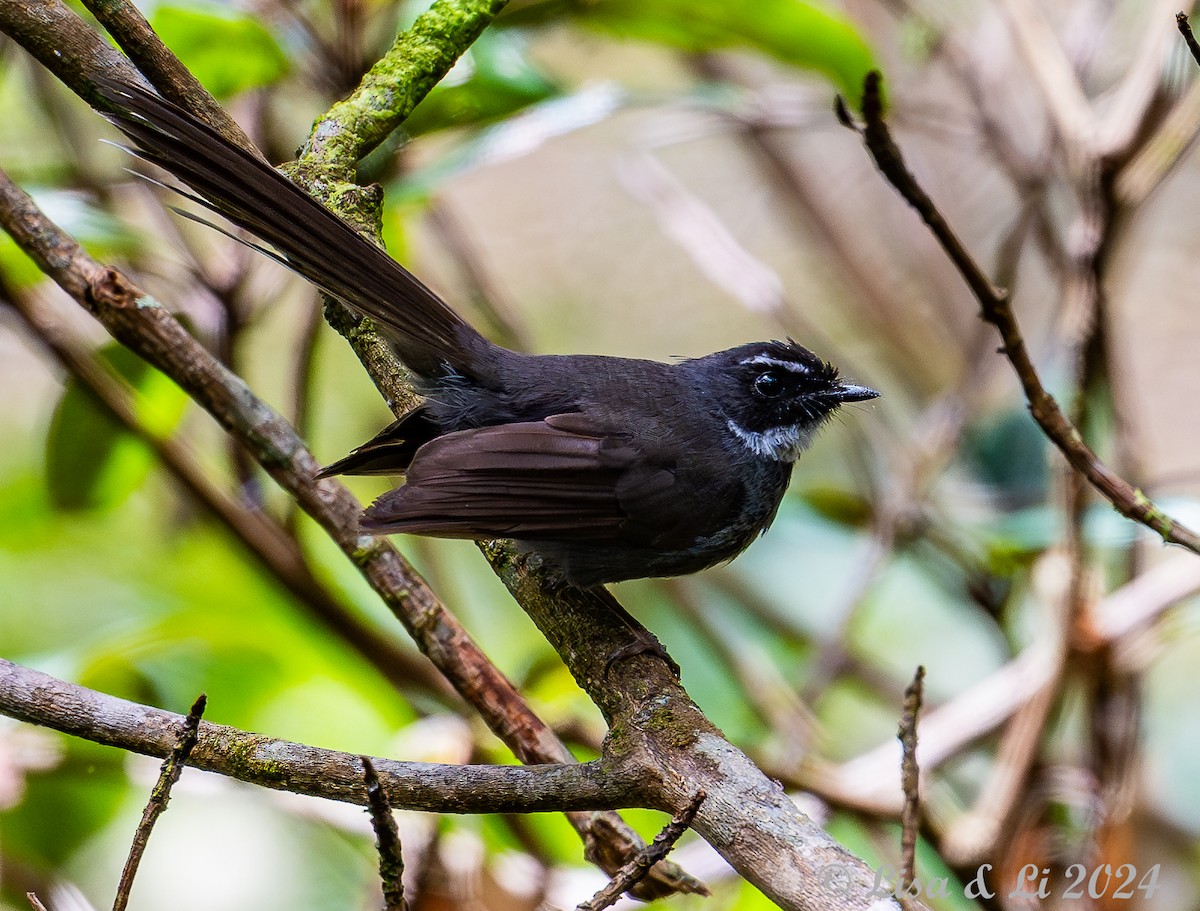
(847, 392)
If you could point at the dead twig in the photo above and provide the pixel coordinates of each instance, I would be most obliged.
(910, 779)
(387, 840)
(1185, 29)
(172, 768)
(633, 872)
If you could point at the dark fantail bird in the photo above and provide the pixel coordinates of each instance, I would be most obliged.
(612, 468)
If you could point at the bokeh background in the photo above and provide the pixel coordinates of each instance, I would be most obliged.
(654, 179)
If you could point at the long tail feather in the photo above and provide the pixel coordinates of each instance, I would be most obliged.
(310, 239)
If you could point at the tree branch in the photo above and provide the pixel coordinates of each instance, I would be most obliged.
(133, 33)
(664, 745)
(995, 309)
(387, 839)
(38, 698)
(172, 768)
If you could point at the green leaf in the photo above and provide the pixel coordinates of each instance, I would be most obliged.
(796, 33)
(91, 460)
(493, 79)
(227, 51)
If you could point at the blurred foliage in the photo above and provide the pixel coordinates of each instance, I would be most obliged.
(110, 577)
(228, 51)
(91, 460)
(101, 234)
(798, 34)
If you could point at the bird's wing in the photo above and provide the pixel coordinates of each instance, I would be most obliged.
(561, 478)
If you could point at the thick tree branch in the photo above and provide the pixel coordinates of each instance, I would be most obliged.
(65, 45)
(653, 723)
(415, 63)
(29, 695)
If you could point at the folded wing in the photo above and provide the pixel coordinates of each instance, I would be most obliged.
(561, 478)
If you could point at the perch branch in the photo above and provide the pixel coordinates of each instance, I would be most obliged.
(38, 698)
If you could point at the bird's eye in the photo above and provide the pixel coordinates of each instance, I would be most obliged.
(769, 385)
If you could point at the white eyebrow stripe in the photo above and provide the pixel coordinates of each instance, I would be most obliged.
(769, 361)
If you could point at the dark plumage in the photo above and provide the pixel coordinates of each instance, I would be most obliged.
(613, 468)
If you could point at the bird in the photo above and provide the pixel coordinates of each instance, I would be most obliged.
(611, 468)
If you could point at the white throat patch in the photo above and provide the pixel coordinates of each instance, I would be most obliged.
(783, 444)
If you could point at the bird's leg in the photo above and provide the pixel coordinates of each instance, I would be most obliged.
(644, 642)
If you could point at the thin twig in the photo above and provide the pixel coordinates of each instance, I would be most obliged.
(35, 901)
(172, 768)
(994, 306)
(634, 871)
(387, 840)
(1185, 29)
(910, 779)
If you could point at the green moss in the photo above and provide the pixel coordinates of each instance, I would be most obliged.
(1152, 516)
(247, 764)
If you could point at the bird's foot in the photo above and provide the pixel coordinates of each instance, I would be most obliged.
(643, 643)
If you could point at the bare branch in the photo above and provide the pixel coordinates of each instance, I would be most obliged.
(133, 33)
(910, 779)
(387, 839)
(994, 306)
(1185, 29)
(634, 871)
(38, 698)
(65, 45)
(172, 768)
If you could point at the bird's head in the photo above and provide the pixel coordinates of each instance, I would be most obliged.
(774, 396)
